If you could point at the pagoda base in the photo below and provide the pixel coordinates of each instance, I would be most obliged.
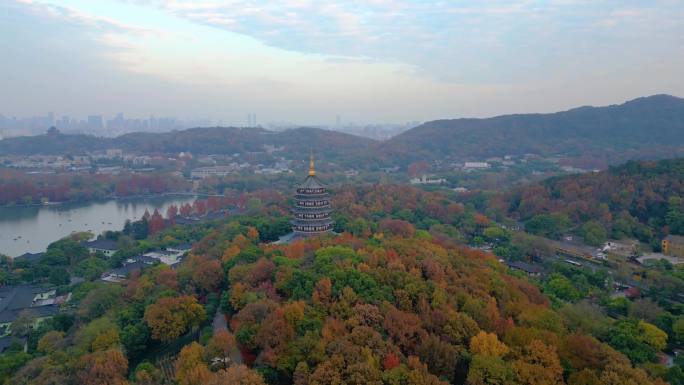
(296, 236)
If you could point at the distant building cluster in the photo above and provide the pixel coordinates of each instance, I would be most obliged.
(171, 256)
(94, 124)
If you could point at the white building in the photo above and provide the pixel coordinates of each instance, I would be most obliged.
(206, 172)
(425, 180)
(467, 166)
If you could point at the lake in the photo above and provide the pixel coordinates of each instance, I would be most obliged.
(33, 228)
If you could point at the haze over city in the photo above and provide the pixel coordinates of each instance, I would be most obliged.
(305, 62)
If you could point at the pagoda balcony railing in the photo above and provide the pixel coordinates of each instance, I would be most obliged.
(312, 191)
(312, 216)
(322, 204)
(311, 196)
(313, 229)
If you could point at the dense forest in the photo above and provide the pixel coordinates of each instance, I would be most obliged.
(21, 188)
(648, 127)
(394, 299)
(642, 200)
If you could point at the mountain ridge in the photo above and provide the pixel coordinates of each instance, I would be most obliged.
(649, 127)
(581, 131)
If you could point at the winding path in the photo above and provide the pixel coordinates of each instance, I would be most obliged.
(220, 323)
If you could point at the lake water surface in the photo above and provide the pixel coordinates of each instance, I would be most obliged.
(32, 229)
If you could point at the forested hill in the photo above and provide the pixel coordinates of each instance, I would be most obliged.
(637, 199)
(649, 127)
(208, 140)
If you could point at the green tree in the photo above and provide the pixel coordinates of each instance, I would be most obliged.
(489, 370)
(562, 287)
(594, 233)
(639, 340)
(678, 329)
(548, 225)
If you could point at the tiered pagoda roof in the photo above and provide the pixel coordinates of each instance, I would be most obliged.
(311, 212)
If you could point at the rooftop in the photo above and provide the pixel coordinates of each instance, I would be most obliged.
(526, 267)
(15, 299)
(127, 269)
(19, 297)
(311, 181)
(101, 244)
(181, 247)
(29, 257)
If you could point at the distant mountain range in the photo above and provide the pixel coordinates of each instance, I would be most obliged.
(649, 127)
(205, 140)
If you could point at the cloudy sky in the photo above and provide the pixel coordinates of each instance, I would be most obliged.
(307, 61)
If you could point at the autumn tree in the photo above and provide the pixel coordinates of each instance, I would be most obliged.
(147, 374)
(51, 341)
(169, 317)
(156, 222)
(404, 328)
(236, 375)
(539, 365)
(172, 212)
(487, 344)
(190, 366)
(301, 374)
(208, 275)
(185, 210)
(220, 345)
(106, 367)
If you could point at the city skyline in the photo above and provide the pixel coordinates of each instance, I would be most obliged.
(120, 123)
(306, 62)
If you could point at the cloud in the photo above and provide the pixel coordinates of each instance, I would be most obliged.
(76, 17)
(306, 61)
(460, 41)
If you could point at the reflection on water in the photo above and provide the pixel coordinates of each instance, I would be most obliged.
(31, 229)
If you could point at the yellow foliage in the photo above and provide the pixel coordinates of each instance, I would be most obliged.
(50, 341)
(230, 253)
(106, 340)
(190, 367)
(294, 312)
(653, 336)
(487, 344)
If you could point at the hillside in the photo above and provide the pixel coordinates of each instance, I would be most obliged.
(650, 127)
(207, 140)
(637, 199)
(387, 302)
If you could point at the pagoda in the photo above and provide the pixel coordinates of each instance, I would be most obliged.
(311, 212)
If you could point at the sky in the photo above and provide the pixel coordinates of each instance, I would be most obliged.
(306, 62)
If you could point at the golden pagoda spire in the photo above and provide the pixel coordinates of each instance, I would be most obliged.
(312, 170)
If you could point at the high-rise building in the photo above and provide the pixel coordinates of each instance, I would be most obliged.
(311, 213)
(95, 122)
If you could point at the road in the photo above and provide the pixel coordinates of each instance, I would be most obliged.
(220, 323)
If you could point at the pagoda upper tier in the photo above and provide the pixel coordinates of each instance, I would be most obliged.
(312, 210)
